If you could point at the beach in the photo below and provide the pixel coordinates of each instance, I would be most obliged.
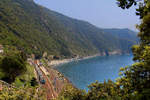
(54, 63)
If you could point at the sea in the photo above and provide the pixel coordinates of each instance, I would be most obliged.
(84, 72)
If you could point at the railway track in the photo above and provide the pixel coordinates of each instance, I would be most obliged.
(51, 94)
(45, 82)
(53, 84)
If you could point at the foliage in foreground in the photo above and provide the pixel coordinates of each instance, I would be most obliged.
(15, 70)
(134, 81)
(97, 91)
(12, 64)
(71, 93)
(25, 93)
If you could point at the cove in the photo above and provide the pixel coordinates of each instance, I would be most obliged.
(83, 73)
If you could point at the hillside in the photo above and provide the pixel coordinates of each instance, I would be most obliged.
(123, 34)
(36, 29)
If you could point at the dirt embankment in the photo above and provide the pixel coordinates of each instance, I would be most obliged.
(54, 82)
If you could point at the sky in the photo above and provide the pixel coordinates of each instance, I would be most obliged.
(102, 13)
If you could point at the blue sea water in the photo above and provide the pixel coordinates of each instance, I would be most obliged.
(83, 73)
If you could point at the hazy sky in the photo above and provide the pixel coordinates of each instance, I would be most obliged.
(102, 13)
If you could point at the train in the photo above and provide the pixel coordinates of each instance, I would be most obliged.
(40, 75)
(42, 80)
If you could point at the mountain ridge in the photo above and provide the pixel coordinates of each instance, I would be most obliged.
(36, 29)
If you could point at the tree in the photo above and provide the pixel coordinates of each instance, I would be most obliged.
(103, 91)
(34, 82)
(71, 93)
(136, 78)
(13, 66)
(126, 3)
(22, 93)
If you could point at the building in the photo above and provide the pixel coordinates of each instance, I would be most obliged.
(1, 49)
(45, 54)
(37, 62)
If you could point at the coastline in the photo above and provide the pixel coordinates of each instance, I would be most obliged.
(55, 63)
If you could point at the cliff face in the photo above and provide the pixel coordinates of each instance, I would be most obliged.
(115, 52)
(35, 29)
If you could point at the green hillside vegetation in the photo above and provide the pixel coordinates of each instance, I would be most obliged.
(14, 68)
(123, 34)
(22, 93)
(99, 38)
(35, 29)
